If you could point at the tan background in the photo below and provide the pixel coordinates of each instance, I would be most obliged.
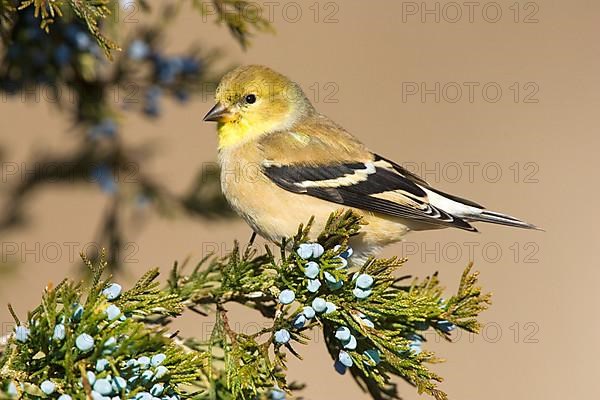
(541, 336)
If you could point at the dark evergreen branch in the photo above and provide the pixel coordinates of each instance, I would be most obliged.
(241, 17)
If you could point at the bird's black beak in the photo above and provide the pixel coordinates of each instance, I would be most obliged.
(218, 113)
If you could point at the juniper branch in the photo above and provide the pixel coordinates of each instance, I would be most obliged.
(385, 325)
(373, 323)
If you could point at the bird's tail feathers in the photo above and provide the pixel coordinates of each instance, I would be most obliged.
(499, 218)
(472, 212)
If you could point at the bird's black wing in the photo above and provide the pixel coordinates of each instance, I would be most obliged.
(377, 186)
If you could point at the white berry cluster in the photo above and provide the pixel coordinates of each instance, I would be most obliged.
(141, 378)
(315, 278)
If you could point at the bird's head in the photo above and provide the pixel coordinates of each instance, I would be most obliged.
(253, 101)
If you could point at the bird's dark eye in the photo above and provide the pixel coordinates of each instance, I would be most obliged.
(250, 99)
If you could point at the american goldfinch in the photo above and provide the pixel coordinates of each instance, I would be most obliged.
(283, 162)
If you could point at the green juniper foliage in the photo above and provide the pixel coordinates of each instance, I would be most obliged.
(373, 323)
(81, 341)
(241, 17)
